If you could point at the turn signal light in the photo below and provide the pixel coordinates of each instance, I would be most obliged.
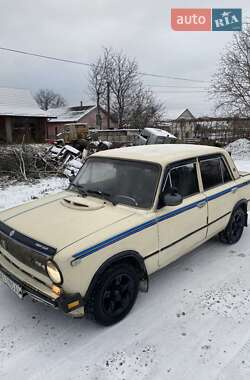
(56, 290)
(73, 304)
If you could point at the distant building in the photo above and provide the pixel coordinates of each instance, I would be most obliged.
(186, 115)
(86, 114)
(21, 119)
(183, 126)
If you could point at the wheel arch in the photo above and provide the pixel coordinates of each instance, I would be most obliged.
(131, 257)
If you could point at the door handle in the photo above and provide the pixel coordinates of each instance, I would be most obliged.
(201, 204)
(234, 189)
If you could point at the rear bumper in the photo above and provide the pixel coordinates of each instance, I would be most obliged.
(72, 303)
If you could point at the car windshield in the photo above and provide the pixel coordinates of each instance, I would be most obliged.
(127, 182)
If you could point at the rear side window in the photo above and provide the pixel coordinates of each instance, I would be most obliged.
(184, 178)
(214, 173)
(211, 173)
(160, 140)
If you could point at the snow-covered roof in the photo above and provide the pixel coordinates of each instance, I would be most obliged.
(69, 114)
(19, 102)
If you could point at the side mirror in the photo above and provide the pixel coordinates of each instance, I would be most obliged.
(171, 198)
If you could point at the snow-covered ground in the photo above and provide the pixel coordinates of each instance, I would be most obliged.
(240, 149)
(193, 324)
(13, 195)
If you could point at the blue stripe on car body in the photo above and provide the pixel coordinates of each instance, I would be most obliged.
(114, 239)
(143, 226)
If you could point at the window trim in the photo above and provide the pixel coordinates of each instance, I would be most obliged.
(179, 164)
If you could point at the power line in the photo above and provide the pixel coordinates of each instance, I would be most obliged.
(66, 60)
(174, 78)
(181, 92)
(173, 86)
(45, 56)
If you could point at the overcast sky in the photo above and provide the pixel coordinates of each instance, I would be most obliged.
(78, 29)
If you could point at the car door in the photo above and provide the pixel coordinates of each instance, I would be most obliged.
(182, 227)
(220, 191)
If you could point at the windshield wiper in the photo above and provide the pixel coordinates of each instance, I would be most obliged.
(85, 192)
(81, 189)
(102, 194)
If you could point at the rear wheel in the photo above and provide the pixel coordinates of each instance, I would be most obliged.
(114, 294)
(234, 230)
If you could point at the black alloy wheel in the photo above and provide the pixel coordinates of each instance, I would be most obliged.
(114, 294)
(234, 230)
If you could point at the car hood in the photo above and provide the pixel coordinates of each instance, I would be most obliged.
(63, 220)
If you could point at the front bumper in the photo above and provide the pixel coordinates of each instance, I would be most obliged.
(72, 303)
(28, 290)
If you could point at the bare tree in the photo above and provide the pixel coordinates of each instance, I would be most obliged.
(124, 81)
(127, 96)
(231, 83)
(146, 110)
(46, 99)
(98, 80)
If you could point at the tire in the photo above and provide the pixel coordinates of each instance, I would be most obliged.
(235, 227)
(114, 294)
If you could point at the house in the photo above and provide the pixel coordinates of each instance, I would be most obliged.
(184, 125)
(21, 119)
(186, 115)
(86, 114)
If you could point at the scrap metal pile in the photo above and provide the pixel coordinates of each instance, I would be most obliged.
(75, 144)
(68, 159)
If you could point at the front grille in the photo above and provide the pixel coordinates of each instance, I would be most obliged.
(26, 254)
(27, 241)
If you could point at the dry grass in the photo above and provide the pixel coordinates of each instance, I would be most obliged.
(24, 162)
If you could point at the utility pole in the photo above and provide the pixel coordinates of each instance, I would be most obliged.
(108, 102)
(98, 116)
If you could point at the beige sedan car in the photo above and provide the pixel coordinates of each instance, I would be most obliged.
(129, 212)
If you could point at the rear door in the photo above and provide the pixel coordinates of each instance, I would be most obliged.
(220, 191)
(182, 227)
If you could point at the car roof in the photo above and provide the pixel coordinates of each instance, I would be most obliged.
(160, 153)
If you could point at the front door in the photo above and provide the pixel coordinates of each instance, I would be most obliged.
(181, 228)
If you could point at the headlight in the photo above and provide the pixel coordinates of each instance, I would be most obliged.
(54, 273)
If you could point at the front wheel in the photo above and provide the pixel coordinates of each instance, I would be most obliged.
(235, 227)
(114, 294)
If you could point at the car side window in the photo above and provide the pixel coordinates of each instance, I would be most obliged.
(211, 173)
(214, 172)
(184, 179)
(160, 140)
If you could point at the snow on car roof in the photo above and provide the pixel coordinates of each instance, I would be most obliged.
(160, 132)
(160, 153)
